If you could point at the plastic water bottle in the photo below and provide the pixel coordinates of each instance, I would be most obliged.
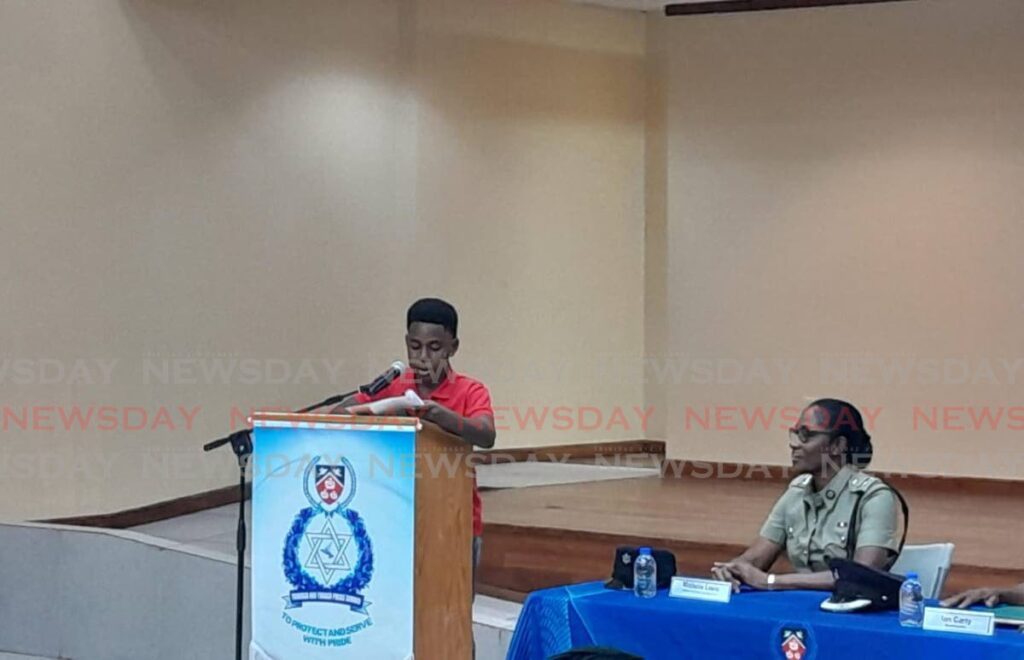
(645, 575)
(911, 602)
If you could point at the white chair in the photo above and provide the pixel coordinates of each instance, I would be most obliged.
(931, 563)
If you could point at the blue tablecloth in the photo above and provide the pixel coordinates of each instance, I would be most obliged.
(751, 626)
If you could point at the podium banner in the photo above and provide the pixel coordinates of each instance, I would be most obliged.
(333, 534)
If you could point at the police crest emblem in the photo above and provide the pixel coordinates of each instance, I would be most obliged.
(794, 646)
(328, 555)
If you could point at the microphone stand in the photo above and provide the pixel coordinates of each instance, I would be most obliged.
(241, 444)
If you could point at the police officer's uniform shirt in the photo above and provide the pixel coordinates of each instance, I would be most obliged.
(814, 526)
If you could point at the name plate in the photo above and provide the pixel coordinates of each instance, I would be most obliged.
(714, 591)
(959, 621)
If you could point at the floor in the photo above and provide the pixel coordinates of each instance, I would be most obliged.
(212, 530)
(494, 621)
(530, 475)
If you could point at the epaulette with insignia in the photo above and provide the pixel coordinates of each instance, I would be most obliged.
(862, 482)
(801, 481)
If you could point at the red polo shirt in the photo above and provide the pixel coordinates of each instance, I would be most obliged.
(462, 395)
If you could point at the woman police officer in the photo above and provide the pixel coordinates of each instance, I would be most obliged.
(831, 510)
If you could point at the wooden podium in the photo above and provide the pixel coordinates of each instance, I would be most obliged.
(443, 587)
(442, 571)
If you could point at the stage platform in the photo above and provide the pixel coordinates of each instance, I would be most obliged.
(559, 534)
(554, 515)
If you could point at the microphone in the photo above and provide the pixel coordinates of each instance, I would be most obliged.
(385, 379)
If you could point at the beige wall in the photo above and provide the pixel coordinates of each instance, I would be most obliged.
(844, 192)
(196, 186)
(187, 184)
(530, 163)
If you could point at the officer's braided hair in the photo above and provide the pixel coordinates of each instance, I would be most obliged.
(845, 420)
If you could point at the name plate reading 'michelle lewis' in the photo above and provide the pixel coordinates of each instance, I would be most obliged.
(959, 621)
(714, 591)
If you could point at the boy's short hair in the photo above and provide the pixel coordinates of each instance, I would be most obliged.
(433, 310)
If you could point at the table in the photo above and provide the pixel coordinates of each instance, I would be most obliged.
(751, 626)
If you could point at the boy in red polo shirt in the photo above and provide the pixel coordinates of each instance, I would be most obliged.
(453, 401)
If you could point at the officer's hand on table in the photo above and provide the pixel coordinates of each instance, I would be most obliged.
(989, 597)
(742, 572)
(750, 575)
(721, 573)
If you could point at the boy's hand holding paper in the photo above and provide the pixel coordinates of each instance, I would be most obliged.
(400, 406)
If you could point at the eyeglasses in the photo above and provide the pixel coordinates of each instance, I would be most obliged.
(803, 434)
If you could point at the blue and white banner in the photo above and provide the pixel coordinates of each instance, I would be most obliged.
(333, 532)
